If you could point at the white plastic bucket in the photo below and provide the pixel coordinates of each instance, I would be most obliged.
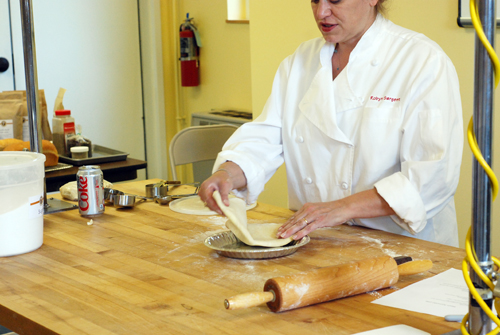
(21, 202)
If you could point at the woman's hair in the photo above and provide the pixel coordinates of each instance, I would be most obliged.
(380, 6)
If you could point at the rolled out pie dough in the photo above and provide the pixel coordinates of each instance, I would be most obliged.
(255, 234)
(194, 205)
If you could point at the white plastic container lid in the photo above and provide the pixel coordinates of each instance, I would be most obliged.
(19, 167)
(79, 149)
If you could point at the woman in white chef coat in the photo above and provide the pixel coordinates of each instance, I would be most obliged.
(368, 120)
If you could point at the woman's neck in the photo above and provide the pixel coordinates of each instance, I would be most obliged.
(340, 58)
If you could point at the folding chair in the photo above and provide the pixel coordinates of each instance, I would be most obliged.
(199, 145)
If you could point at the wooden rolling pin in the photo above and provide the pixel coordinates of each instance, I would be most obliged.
(325, 284)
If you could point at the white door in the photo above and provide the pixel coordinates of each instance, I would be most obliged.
(92, 49)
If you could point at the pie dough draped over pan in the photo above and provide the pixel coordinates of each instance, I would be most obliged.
(254, 234)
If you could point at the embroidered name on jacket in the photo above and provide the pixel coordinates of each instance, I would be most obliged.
(385, 98)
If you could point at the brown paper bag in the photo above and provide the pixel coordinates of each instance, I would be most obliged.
(23, 114)
(47, 134)
(10, 124)
(58, 103)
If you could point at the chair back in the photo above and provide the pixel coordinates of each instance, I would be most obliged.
(199, 144)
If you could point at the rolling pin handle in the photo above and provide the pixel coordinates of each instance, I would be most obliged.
(247, 300)
(414, 267)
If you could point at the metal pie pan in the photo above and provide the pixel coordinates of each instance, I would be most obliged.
(227, 244)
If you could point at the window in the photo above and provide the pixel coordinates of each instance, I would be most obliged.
(238, 11)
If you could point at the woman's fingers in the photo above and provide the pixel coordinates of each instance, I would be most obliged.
(299, 220)
(308, 229)
(291, 226)
(311, 217)
(208, 199)
(224, 190)
(215, 183)
(298, 228)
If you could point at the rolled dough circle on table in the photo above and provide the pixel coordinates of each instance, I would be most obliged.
(193, 205)
(254, 234)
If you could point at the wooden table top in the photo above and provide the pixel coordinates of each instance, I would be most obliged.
(146, 270)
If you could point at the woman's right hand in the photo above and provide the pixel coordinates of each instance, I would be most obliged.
(228, 177)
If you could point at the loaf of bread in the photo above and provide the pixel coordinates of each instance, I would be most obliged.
(8, 141)
(50, 152)
(48, 149)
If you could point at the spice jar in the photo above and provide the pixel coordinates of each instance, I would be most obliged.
(79, 141)
(79, 152)
(63, 126)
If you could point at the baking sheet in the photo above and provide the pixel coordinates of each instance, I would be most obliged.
(227, 244)
(100, 154)
(59, 166)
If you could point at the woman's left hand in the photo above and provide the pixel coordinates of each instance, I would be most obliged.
(313, 216)
(365, 204)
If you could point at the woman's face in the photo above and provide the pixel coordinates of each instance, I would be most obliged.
(344, 21)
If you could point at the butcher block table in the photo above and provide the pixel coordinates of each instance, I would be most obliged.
(146, 270)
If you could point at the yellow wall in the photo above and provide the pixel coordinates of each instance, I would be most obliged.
(169, 68)
(276, 28)
(224, 65)
(224, 60)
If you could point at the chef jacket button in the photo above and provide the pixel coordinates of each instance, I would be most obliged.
(309, 180)
(344, 185)
(300, 139)
(374, 62)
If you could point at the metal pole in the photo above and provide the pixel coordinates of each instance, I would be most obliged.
(479, 322)
(34, 115)
(34, 118)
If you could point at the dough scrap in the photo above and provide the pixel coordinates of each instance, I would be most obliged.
(193, 205)
(253, 234)
(69, 191)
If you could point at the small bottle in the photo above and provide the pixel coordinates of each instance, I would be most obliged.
(63, 125)
(79, 152)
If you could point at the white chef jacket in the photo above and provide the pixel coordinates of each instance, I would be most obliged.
(392, 119)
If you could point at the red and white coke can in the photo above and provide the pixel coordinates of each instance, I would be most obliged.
(90, 190)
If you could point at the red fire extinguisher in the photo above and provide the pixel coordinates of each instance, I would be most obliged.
(190, 49)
